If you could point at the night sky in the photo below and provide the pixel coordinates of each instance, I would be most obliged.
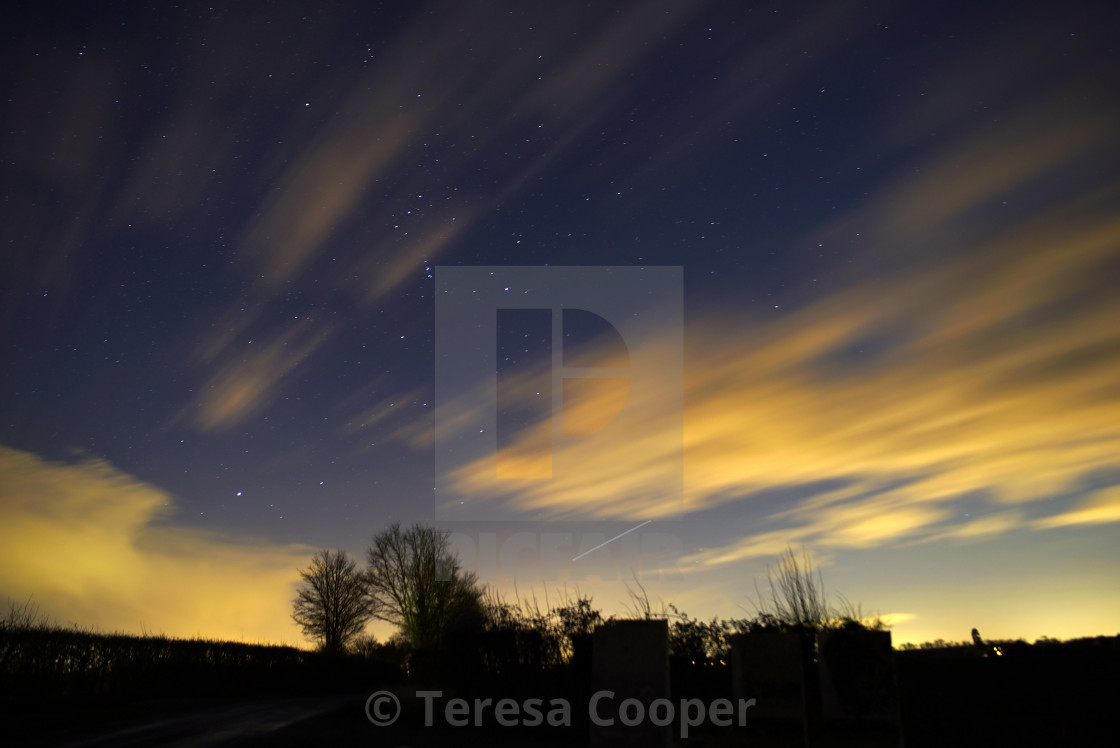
(898, 227)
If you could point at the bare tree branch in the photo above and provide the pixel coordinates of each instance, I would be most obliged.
(415, 582)
(332, 605)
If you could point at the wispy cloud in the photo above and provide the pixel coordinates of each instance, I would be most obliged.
(1100, 507)
(970, 350)
(246, 383)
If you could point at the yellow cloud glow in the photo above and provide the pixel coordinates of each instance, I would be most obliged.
(984, 368)
(1101, 507)
(93, 546)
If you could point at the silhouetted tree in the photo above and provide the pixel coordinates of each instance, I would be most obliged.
(365, 645)
(578, 618)
(697, 640)
(414, 581)
(332, 605)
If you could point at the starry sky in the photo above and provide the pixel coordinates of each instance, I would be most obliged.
(894, 229)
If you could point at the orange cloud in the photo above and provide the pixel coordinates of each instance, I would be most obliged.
(95, 547)
(245, 385)
(619, 471)
(971, 350)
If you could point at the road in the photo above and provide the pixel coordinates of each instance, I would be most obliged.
(224, 725)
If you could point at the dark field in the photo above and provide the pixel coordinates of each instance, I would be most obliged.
(134, 691)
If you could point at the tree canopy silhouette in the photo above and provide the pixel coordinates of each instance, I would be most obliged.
(415, 582)
(332, 605)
